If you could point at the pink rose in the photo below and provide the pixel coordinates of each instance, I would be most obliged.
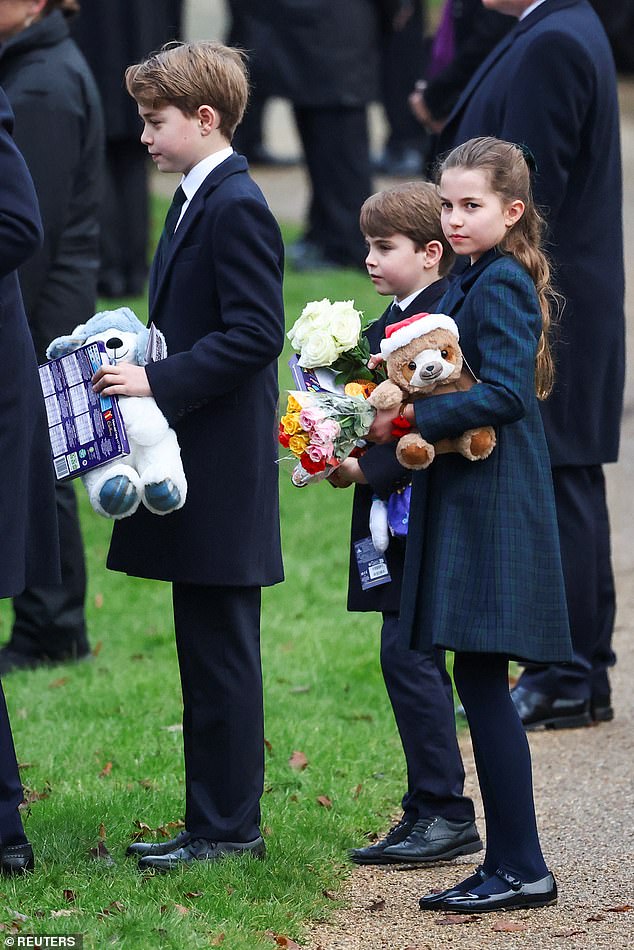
(308, 418)
(327, 430)
(316, 452)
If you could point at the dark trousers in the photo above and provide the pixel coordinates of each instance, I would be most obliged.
(124, 219)
(11, 794)
(49, 621)
(337, 155)
(403, 60)
(503, 763)
(421, 695)
(218, 642)
(584, 534)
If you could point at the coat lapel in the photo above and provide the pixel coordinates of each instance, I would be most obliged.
(544, 10)
(231, 166)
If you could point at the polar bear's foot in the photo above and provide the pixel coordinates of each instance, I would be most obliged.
(162, 497)
(118, 496)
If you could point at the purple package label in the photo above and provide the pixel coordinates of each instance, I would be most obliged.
(86, 430)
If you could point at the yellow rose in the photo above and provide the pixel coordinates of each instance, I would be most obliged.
(298, 443)
(354, 389)
(290, 424)
(293, 405)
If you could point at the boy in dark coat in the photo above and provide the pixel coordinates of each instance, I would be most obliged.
(216, 294)
(408, 256)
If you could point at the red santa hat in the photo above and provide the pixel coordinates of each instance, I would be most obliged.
(401, 333)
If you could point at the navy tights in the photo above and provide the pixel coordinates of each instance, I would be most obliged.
(503, 763)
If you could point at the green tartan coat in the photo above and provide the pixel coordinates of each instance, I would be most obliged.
(482, 566)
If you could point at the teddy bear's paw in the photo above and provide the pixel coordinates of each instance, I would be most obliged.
(162, 497)
(118, 496)
(413, 452)
(477, 444)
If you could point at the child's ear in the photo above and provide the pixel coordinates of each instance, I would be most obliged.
(433, 252)
(208, 119)
(513, 212)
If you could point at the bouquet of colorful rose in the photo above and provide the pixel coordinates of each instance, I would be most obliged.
(331, 334)
(321, 429)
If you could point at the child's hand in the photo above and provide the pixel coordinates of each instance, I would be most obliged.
(347, 474)
(375, 360)
(123, 379)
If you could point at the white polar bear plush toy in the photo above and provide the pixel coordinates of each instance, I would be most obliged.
(152, 473)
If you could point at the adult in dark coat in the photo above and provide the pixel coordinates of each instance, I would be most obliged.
(28, 527)
(417, 683)
(550, 84)
(111, 36)
(59, 129)
(618, 20)
(323, 56)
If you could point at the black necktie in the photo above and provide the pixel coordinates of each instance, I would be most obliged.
(395, 314)
(171, 220)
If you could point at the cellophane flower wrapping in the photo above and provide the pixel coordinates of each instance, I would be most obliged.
(321, 429)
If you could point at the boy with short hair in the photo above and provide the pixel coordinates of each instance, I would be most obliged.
(216, 294)
(408, 257)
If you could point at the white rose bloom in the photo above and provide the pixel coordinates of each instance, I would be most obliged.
(311, 318)
(319, 350)
(345, 325)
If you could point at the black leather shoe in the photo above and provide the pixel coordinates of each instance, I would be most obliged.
(141, 849)
(11, 660)
(434, 839)
(479, 876)
(537, 710)
(200, 849)
(16, 859)
(518, 896)
(373, 854)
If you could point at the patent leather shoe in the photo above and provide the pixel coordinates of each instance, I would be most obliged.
(16, 859)
(373, 854)
(537, 710)
(518, 895)
(201, 849)
(434, 839)
(601, 709)
(478, 877)
(140, 849)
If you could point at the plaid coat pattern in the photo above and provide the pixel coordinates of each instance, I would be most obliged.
(482, 566)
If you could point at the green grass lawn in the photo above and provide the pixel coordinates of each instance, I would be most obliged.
(100, 743)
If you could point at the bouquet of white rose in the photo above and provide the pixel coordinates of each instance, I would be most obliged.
(331, 334)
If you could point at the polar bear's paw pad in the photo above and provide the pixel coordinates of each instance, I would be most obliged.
(162, 496)
(117, 495)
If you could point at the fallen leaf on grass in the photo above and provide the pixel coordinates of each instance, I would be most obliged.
(357, 791)
(167, 828)
(268, 746)
(282, 941)
(98, 601)
(193, 894)
(55, 684)
(106, 770)
(324, 801)
(217, 940)
(298, 760)
(621, 909)
(177, 727)
(30, 795)
(508, 926)
(148, 784)
(96, 650)
(25, 765)
(459, 919)
(101, 853)
(330, 895)
(300, 689)
(376, 906)
(65, 912)
(114, 907)
(102, 831)
(69, 895)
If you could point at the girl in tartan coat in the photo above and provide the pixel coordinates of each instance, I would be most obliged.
(483, 572)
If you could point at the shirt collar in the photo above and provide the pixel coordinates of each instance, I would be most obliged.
(196, 176)
(530, 9)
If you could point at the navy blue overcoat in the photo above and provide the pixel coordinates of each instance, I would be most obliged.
(218, 300)
(29, 553)
(482, 564)
(550, 84)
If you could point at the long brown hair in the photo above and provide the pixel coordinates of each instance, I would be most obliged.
(509, 177)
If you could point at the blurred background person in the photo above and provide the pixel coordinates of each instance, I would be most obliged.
(59, 129)
(112, 35)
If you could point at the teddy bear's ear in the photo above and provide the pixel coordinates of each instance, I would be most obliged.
(63, 345)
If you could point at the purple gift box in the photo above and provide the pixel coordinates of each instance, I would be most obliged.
(85, 429)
